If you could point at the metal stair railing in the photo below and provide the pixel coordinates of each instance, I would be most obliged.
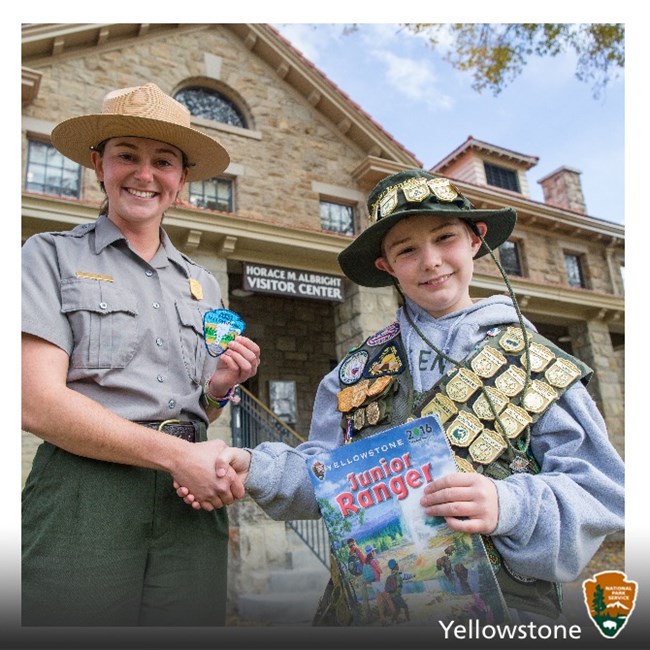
(253, 423)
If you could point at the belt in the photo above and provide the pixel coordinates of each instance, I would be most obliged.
(186, 430)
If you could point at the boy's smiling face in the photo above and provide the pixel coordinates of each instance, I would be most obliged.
(432, 258)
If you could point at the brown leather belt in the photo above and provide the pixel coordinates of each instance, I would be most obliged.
(186, 430)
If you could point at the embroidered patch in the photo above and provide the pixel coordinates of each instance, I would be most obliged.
(387, 334)
(351, 369)
(220, 327)
(387, 362)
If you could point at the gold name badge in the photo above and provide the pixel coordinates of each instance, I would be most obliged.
(538, 396)
(487, 362)
(514, 420)
(94, 276)
(511, 381)
(464, 429)
(540, 357)
(442, 406)
(562, 373)
(482, 407)
(463, 385)
(487, 447)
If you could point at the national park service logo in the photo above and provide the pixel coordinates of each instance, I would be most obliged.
(610, 599)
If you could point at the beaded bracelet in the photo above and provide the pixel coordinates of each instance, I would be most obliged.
(218, 402)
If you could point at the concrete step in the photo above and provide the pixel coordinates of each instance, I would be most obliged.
(296, 580)
(280, 608)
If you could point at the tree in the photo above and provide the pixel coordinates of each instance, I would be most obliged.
(598, 600)
(496, 53)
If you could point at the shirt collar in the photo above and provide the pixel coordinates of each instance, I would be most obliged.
(107, 233)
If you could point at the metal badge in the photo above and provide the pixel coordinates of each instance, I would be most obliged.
(196, 289)
(359, 393)
(562, 373)
(540, 357)
(374, 213)
(464, 429)
(487, 362)
(463, 385)
(351, 369)
(388, 203)
(387, 362)
(463, 465)
(514, 419)
(520, 464)
(359, 419)
(511, 381)
(482, 407)
(374, 413)
(379, 385)
(442, 406)
(487, 447)
(415, 190)
(538, 396)
(512, 340)
(443, 189)
(344, 399)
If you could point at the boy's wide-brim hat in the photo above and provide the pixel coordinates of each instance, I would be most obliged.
(406, 194)
(142, 112)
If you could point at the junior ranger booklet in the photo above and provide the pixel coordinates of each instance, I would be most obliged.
(369, 496)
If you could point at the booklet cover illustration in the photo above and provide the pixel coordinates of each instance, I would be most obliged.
(397, 564)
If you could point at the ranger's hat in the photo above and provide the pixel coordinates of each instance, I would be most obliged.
(142, 112)
(406, 194)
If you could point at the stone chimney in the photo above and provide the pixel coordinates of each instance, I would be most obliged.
(562, 188)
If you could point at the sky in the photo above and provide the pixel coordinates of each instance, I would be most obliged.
(430, 108)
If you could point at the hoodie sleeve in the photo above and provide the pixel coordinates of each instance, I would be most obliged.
(552, 523)
(278, 480)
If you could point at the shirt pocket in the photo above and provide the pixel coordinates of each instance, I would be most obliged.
(190, 322)
(104, 323)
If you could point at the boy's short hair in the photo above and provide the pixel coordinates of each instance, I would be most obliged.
(406, 194)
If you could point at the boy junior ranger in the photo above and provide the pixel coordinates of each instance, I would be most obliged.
(538, 477)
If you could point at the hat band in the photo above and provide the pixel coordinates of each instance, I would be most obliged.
(415, 190)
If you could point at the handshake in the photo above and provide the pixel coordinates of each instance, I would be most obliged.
(214, 477)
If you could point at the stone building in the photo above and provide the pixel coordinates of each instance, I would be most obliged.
(304, 157)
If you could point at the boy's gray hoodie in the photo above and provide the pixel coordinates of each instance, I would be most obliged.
(550, 524)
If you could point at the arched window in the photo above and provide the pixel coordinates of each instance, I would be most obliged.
(211, 105)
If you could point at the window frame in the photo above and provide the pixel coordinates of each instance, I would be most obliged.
(66, 165)
(518, 252)
(580, 265)
(216, 180)
(341, 204)
(225, 97)
(501, 173)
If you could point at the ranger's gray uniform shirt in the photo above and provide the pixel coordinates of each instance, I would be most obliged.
(133, 330)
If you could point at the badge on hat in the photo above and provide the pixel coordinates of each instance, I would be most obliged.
(220, 327)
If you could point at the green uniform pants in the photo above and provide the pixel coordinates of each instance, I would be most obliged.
(110, 544)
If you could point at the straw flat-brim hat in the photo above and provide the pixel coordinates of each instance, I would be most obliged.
(406, 194)
(142, 112)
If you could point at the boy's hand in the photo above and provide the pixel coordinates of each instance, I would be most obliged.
(231, 469)
(468, 501)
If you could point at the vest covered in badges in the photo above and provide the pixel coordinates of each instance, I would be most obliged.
(486, 404)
